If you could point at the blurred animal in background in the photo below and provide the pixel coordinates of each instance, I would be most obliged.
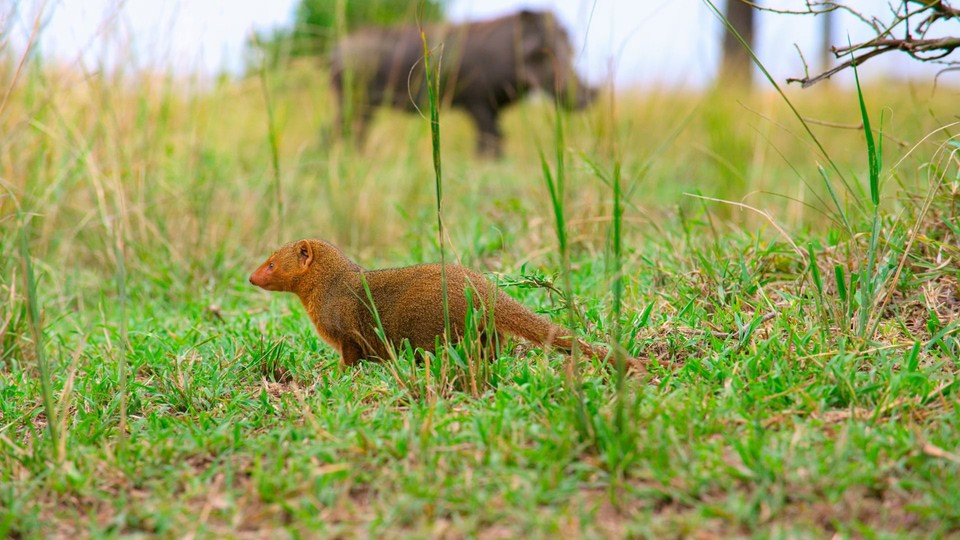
(484, 67)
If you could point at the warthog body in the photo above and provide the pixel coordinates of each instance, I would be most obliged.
(484, 67)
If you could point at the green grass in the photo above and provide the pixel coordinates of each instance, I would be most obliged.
(783, 398)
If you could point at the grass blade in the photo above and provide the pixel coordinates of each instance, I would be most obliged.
(868, 275)
(873, 154)
(36, 330)
(433, 91)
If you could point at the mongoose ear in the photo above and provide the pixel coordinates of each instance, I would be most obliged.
(304, 253)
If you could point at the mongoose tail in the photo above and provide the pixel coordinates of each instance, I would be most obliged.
(515, 319)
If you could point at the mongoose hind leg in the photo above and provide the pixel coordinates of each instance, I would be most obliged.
(492, 342)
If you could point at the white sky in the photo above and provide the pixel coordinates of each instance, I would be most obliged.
(646, 42)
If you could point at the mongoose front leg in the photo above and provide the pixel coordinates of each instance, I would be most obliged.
(350, 353)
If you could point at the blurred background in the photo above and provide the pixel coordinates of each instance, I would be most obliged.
(748, 238)
(634, 43)
(200, 125)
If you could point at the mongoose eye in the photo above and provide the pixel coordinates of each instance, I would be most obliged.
(270, 266)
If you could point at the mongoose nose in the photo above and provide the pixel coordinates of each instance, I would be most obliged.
(251, 280)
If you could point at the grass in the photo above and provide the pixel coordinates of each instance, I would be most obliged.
(783, 397)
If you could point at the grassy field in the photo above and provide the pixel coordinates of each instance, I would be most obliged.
(801, 338)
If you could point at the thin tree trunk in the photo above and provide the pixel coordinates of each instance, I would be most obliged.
(826, 40)
(737, 65)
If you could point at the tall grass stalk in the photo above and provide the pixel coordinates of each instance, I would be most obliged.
(617, 270)
(874, 158)
(273, 138)
(115, 222)
(617, 263)
(555, 180)
(615, 438)
(66, 393)
(818, 286)
(432, 73)
(393, 362)
(121, 277)
(36, 330)
(614, 181)
(624, 438)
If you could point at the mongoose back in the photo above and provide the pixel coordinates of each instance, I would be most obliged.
(408, 302)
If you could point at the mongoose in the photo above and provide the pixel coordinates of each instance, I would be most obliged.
(408, 302)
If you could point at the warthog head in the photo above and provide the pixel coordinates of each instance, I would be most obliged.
(546, 60)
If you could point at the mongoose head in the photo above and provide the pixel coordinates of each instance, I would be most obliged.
(283, 270)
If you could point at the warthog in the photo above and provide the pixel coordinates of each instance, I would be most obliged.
(484, 66)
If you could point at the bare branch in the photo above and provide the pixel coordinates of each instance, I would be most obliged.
(913, 46)
(808, 82)
(942, 8)
(900, 12)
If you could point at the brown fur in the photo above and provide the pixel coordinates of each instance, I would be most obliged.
(408, 301)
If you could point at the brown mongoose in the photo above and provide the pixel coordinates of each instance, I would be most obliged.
(408, 302)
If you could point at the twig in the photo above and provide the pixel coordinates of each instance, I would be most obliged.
(912, 46)
(855, 127)
(769, 218)
(808, 82)
(739, 332)
(937, 452)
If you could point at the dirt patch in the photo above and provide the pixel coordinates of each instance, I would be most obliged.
(886, 510)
